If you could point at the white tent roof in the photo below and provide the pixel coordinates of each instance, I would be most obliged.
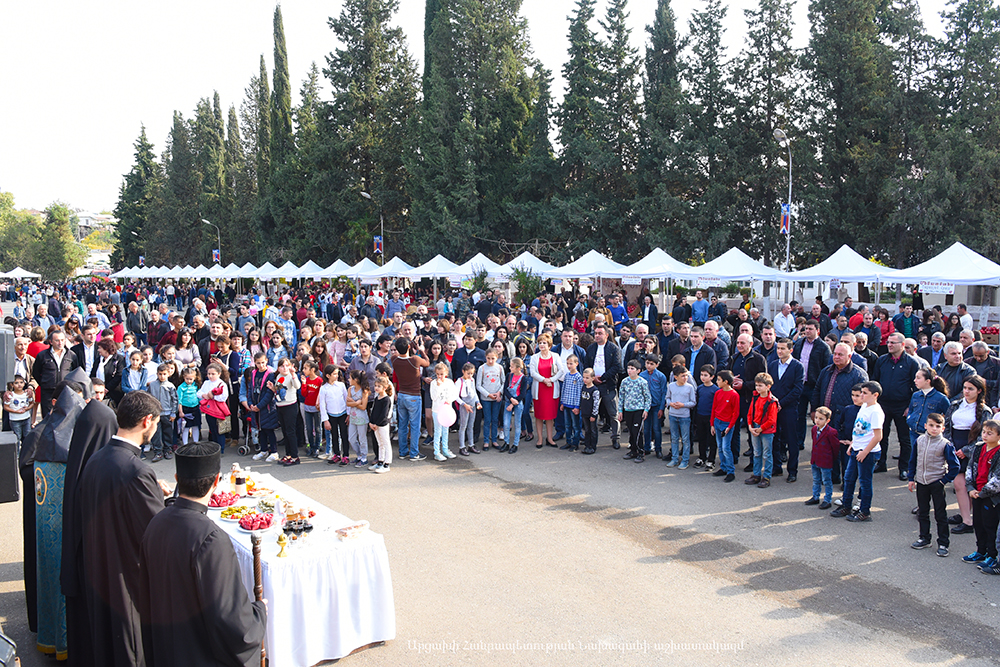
(394, 268)
(308, 270)
(528, 261)
(591, 264)
(264, 271)
(248, 270)
(657, 264)
(231, 271)
(477, 264)
(20, 274)
(437, 267)
(286, 270)
(214, 272)
(196, 272)
(338, 268)
(160, 272)
(732, 265)
(845, 265)
(124, 273)
(957, 265)
(364, 266)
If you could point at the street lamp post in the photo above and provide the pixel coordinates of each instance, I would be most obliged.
(381, 222)
(141, 249)
(218, 238)
(786, 143)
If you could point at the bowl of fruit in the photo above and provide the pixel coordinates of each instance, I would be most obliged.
(236, 512)
(222, 499)
(256, 521)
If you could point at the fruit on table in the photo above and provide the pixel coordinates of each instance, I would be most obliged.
(256, 521)
(237, 512)
(223, 499)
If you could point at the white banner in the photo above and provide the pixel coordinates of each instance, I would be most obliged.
(835, 283)
(631, 280)
(709, 282)
(936, 287)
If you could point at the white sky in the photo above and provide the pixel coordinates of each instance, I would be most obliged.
(80, 78)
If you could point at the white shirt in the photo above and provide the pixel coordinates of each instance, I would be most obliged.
(564, 353)
(88, 354)
(870, 417)
(21, 367)
(964, 417)
(599, 361)
(966, 321)
(783, 325)
(127, 442)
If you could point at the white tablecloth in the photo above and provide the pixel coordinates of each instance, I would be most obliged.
(325, 599)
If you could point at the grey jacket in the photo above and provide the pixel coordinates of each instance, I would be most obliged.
(166, 394)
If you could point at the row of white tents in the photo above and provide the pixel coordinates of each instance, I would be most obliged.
(957, 265)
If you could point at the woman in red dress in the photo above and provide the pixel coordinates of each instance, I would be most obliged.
(547, 370)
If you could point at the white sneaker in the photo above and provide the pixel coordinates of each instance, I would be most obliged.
(440, 457)
(838, 502)
(375, 465)
(259, 455)
(384, 468)
(449, 455)
(709, 467)
(272, 458)
(324, 456)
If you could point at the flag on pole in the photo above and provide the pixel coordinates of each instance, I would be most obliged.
(378, 245)
(215, 255)
(142, 260)
(786, 219)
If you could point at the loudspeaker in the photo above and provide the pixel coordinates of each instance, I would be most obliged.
(9, 480)
(6, 365)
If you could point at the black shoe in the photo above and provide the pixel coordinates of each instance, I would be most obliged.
(955, 519)
(512, 450)
(749, 468)
(791, 477)
(167, 454)
(748, 452)
(840, 512)
(920, 544)
(858, 517)
(777, 473)
(802, 448)
(836, 481)
(902, 476)
(719, 473)
(752, 479)
(639, 459)
(157, 457)
(630, 455)
(812, 501)
(539, 445)
(730, 477)
(566, 446)
(881, 469)
(503, 449)
(825, 505)
(914, 510)
(616, 445)
(557, 437)
(962, 528)
(589, 451)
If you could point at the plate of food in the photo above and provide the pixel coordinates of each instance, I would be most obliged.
(256, 521)
(222, 499)
(236, 512)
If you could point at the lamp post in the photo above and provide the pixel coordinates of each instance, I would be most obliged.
(141, 249)
(218, 238)
(381, 222)
(786, 143)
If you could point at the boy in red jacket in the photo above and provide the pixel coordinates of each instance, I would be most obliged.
(762, 417)
(725, 415)
(825, 450)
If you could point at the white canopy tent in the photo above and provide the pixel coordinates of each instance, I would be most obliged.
(845, 265)
(338, 268)
(231, 271)
(527, 261)
(286, 271)
(479, 263)
(731, 265)
(437, 267)
(394, 268)
(591, 264)
(364, 266)
(308, 270)
(18, 273)
(957, 265)
(657, 264)
(196, 272)
(214, 272)
(264, 271)
(248, 270)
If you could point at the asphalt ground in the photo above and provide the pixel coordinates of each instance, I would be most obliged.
(551, 557)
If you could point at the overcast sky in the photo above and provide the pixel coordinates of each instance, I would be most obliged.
(79, 79)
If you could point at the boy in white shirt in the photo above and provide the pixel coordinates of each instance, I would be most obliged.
(864, 453)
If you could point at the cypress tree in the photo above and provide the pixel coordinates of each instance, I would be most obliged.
(135, 200)
(176, 235)
(262, 116)
(282, 142)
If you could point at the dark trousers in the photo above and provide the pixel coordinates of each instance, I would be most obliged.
(164, 435)
(609, 408)
(288, 417)
(46, 400)
(706, 441)
(633, 421)
(894, 416)
(800, 435)
(234, 410)
(268, 441)
(589, 433)
(985, 517)
(560, 423)
(784, 445)
(926, 493)
(213, 432)
(839, 465)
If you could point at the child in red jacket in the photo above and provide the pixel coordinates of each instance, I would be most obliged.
(825, 450)
(762, 417)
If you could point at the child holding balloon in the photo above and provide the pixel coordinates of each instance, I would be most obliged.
(443, 393)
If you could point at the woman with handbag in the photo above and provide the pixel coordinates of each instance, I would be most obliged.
(214, 397)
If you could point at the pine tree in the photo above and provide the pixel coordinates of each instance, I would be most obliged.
(175, 236)
(208, 143)
(238, 235)
(261, 112)
(431, 9)
(56, 253)
(135, 200)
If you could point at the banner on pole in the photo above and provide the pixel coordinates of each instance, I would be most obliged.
(378, 245)
(142, 260)
(216, 254)
(936, 287)
(786, 218)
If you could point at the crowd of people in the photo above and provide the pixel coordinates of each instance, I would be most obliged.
(340, 374)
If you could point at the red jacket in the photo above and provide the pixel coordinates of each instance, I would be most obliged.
(763, 412)
(726, 406)
(826, 447)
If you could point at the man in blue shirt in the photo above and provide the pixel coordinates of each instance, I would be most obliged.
(287, 323)
(699, 310)
(618, 313)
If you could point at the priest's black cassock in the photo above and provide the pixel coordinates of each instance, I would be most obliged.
(118, 496)
(94, 428)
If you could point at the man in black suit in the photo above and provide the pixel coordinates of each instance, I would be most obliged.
(86, 351)
(208, 347)
(682, 342)
(745, 366)
(814, 355)
(118, 496)
(788, 375)
(605, 357)
(698, 354)
(648, 313)
(933, 354)
(51, 366)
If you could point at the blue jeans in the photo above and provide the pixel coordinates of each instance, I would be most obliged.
(440, 438)
(491, 419)
(410, 410)
(652, 433)
(572, 426)
(723, 442)
(20, 429)
(680, 439)
(313, 427)
(823, 481)
(859, 472)
(762, 454)
(512, 421)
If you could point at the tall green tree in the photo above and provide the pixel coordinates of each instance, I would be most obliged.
(18, 231)
(258, 121)
(137, 194)
(175, 236)
(56, 254)
(208, 143)
(282, 136)
(239, 234)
